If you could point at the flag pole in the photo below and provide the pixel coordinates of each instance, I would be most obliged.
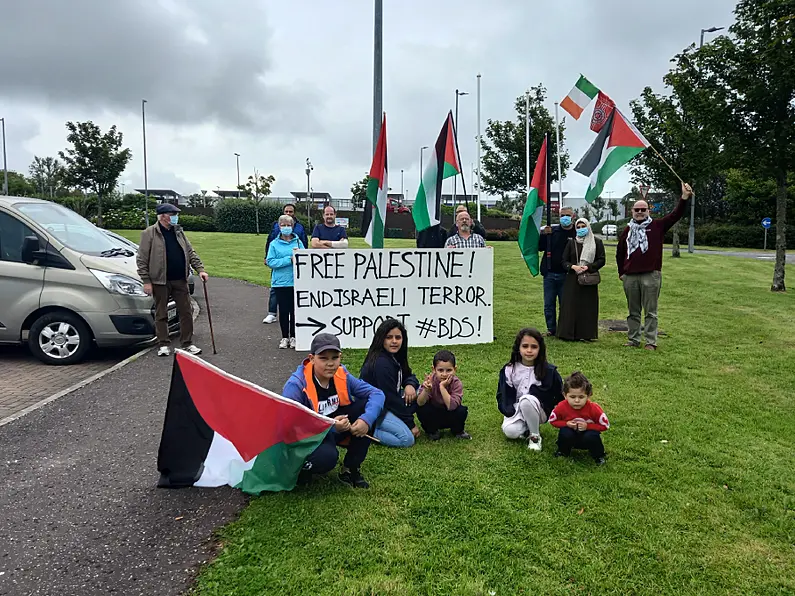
(460, 165)
(478, 147)
(527, 139)
(549, 198)
(558, 150)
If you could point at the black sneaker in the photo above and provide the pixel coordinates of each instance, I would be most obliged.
(559, 454)
(354, 478)
(599, 461)
(434, 436)
(464, 435)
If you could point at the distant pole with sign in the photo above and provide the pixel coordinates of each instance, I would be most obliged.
(766, 223)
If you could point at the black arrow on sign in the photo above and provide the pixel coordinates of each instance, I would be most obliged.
(313, 323)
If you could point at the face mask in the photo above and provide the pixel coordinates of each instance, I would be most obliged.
(565, 220)
(582, 232)
(286, 230)
(174, 219)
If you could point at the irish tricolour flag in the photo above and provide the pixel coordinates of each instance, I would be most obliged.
(221, 430)
(374, 218)
(444, 163)
(615, 146)
(579, 97)
(530, 228)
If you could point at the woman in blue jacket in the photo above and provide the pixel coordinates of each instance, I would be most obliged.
(280, 260)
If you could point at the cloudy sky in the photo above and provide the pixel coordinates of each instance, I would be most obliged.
(279, 82)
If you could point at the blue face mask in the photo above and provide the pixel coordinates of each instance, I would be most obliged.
(582, 232)
(174, 219)
(286, 230)
(565, 221)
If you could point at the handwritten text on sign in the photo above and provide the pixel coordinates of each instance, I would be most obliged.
(441, 296)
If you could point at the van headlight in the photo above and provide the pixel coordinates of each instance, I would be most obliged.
(115, 283)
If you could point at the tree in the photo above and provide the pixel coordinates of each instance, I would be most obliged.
(599, 205)
(750, 91)
(359, 192)
(18, 185)
(504, 152)
(256, 189)
(46, 174)
(615, 209)
(95, 161)
(586, 212)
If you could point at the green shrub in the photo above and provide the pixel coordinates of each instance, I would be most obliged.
(511, 234)
(732, 235)
(124, 219)
(354, 232)
(197, 223)
(239, 216)
(393, 233)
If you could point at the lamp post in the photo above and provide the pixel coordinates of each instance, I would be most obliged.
(5, 161)
(378, 69)
(422, 150)
(457, 95)
(691, 229)
(478, 138)
(146, 178)
(401, 185)
(308, 170)
(237, 157)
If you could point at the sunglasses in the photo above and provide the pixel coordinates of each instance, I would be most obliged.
(639, 209)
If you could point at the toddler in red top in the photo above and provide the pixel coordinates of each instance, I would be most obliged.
(580, 420)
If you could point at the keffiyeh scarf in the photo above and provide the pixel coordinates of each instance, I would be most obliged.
(637, 236)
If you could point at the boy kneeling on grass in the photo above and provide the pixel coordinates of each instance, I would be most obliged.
(439, 401)
(580, 420)
(322, 384)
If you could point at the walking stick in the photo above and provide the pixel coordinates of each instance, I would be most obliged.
(209, 315)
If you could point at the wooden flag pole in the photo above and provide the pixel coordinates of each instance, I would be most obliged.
(666, 163)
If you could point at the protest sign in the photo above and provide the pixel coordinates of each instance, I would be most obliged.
(443, 297)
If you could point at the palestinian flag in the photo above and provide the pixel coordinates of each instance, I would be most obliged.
(530, 228)
(615, 146)
(221, 430)
(444, 163)
(374, 217)
(579, 97)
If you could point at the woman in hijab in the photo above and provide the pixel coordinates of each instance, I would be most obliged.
(583, 257)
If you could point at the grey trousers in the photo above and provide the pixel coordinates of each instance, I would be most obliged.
(643, 292)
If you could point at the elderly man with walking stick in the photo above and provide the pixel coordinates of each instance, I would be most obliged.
(164, 259)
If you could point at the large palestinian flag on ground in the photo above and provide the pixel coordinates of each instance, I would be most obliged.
(444, 163)
(374, 217)
(616, 144)
(220, 430)
(530, 228)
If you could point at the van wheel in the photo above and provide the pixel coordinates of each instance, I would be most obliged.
(59, 338)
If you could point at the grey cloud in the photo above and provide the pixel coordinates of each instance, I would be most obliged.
(194, 61)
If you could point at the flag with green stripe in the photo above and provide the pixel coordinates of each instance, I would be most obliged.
(530, 228)
(374, 218)
(443, 163)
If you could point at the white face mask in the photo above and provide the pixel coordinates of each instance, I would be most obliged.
(174, 219)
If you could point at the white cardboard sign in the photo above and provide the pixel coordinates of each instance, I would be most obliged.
(442, 296)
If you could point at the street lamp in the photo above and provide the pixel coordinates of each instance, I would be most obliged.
(691, 229)
(422, 149)
(5, 163)
(308, 170)
(146, 178)
(237, 157)
(457, 95)
(401, 185)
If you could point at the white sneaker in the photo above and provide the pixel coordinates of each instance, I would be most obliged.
(284, 343)
(193, 350)
(292, 343)
(269, 319)
(534, 443)
(163, 351)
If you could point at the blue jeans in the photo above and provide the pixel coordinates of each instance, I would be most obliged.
(553, 292)
(393, 432)
(272, 302)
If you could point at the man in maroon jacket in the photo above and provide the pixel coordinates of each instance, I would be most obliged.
(639, 260)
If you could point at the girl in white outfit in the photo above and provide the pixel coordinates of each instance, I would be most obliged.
(529, 388)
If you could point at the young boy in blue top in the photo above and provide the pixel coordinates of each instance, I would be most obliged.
(322, 384)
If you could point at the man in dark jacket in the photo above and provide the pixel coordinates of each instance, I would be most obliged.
(476, 228)
(639, 260)
(298, 230)
(555, 238)
(164, 259)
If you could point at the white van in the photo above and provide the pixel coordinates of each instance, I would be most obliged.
(65, 284)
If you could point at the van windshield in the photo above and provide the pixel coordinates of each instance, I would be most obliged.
(71, 229)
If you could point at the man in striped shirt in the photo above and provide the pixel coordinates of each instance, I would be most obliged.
(465, 238)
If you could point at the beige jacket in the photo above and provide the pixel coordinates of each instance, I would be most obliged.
(151, 258)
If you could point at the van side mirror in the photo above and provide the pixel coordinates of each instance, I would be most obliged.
(30, 246)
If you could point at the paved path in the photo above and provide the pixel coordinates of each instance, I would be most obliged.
(80, 511)
(762, 256)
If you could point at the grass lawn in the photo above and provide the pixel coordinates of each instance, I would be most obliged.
(697, 497)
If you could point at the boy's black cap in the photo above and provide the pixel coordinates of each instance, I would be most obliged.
(323, 342)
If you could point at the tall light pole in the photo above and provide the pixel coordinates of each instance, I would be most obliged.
(309, 169)
(5, 161)
(146, 177)
(478, 109)
(237, 157)
(378, 70)
(691, 229)
(422, 150)
(457, 95)
(401, 186)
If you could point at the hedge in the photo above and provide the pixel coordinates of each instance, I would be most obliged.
(239, 216)
(197, 223)
(511, 234)
(732, 235)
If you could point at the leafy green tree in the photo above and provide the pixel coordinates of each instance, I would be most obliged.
(504, 153)
(256, 189)
(614, 208)
(95, 161)
(19, 185)
(46, 175)
(359, 192)
(599, 205)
